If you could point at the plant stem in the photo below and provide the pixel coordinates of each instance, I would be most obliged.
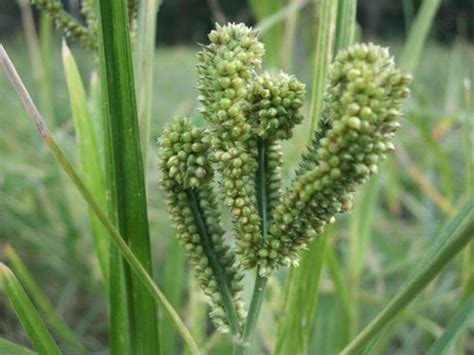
(219, 274)
(260, 282)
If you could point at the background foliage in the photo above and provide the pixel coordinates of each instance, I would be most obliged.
(399, 215)
(196, 18)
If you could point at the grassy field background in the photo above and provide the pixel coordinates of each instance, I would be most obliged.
(399, 213)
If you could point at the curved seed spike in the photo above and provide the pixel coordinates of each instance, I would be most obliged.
(226, 70)
(275, 100)
(363, 100)
(186, 179)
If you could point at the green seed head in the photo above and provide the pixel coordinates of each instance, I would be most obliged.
(275, 100)
(193, 209)
(225, 69)
(184, 152)
(363, 100)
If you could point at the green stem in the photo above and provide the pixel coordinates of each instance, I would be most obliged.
(260, 282)
(216, 267)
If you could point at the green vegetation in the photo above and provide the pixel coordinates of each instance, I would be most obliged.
(394, 275)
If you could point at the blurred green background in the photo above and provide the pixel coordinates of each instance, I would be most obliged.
(400, 212)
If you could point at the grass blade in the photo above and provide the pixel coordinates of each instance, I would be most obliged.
(323, 55)
(343, 294)
(47, 85)
(460, 322)
(273, 36)
(435, 246)
(71, 172)
(145, 56)
(457, 239)
(267, 23)
(173, 285)
(124, 165)
(58, 326)
(346, 13)
(296, 325)
(289, 35)
(89, 154)
(26, 312)
(361, 225)
(7, 347)
(417, 36)
(37, 48)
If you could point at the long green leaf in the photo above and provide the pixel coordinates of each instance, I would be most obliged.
(460, 322)
(296, 323)
(417, 36)
(71, 172)
(343, 294)
(58, 326)
(268, 22)
(430, 268)
(7, 347)
(346, 12)
(47, 83)
(89, 154)
(26, 312)
(289, 35)
(273, 36)
(124, 167)
(144, 60)
(361, 225)
(323, 55)
(37, 47)
(434, 247)
(173, 285)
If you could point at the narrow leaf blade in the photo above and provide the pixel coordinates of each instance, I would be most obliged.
(34, 326)
(54, 320)
(89, 154)
(124, 166)
(7, 347)
(460, 234)
(460, 322)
